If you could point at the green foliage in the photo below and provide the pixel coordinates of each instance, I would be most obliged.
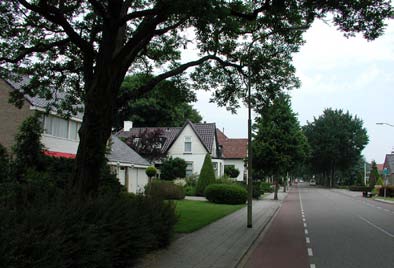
(190, 190)
(336, 139)
(226, 194)
(373, 175)
(173, 168)
(256, 192)
(380, 181)
(389, 191)
(231, 171)
(28, 149)
(168, 104)
(4, 163)
(207, 175)
(43, 227)
(151, 171)
(164, 190)
(266, 187)
(279, 145)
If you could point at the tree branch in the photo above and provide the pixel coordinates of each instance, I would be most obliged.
(156, 80)
(169, 28)
(99, 8)
(137, 14)
(55, 16)
(37, 48)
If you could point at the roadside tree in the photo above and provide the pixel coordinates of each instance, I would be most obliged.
(279, 144)
(86, 48)
(336, 139)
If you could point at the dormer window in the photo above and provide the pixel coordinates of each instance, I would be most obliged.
(188, 145)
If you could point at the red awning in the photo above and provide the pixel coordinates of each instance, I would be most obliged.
(59, 154)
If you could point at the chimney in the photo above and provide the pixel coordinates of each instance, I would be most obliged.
(127, 125)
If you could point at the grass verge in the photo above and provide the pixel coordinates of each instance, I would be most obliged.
(194, 215)
(387, 198)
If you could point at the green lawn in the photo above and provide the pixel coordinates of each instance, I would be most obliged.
(194, 215)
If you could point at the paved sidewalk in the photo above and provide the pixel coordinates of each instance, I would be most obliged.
(220, 244)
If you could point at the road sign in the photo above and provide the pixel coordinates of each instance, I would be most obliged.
(386, 171)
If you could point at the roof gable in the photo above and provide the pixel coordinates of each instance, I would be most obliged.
(232, 148)
(389, 162)
(121, 152)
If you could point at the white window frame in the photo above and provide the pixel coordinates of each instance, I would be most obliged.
(187, 140)
(189, 164)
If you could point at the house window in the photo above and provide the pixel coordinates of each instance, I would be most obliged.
(74, 128)
(189, 169)
(188, 145)
(61, 128)
(215, 167)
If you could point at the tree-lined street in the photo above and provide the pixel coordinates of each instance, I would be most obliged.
(338, 229)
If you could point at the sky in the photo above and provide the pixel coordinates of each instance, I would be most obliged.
(351, 74)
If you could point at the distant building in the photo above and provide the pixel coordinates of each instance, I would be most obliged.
(389, 164)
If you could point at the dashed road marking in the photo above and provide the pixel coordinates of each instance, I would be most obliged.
(312, 266)
(306, 231)
(305, 225)
(307, 239)
(310, 252)
(378, 207)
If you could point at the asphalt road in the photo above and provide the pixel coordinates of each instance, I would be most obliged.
(347, 231)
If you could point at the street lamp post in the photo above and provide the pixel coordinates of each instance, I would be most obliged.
(250, 184)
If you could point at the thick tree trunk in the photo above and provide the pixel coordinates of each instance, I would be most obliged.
(276, 189)
(95, 132)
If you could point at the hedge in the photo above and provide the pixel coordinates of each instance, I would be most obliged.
(165, 190)
(226, 193)
(389, 191)
(357, 188)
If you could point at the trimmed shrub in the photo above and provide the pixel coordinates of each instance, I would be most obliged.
(266, 187)
(207, 176)
(41, 227)
(173, 168)
(165, 190)
(226, 194)
(380, 181)
(231, 171)
(357, 188)
(151, 171)
(256, 188)
(389, 191)
(190, 190)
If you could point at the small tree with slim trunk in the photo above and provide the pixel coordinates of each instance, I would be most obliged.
(207, 176)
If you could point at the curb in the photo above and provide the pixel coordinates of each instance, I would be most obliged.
(384, 201)
(243, 259)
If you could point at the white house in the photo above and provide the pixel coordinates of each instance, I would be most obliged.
(193, 141)
(190, 142)
(60, 136)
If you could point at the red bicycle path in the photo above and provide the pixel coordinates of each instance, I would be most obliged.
(283, 245)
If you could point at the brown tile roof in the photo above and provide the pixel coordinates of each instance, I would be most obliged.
(232, 148)
(204, 131)
(380, 167)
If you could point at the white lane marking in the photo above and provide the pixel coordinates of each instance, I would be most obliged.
(308, 241)
(310, 253)
(313, 266)
(305, 225)
(377, 227)
(306, 231)
(386, 210)
(378, 207)
(303, 219)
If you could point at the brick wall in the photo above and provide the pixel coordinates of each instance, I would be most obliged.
(10, 116)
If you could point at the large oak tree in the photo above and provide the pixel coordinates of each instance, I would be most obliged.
(86, 47)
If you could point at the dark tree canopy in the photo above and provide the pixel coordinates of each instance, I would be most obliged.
(167, 105)
(279, 144)
(86, 47)
(148, 144)
(337, 140)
